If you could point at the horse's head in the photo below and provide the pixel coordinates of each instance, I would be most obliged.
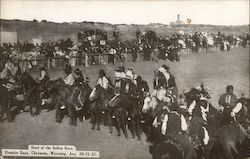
(97, 93)
(146, 104)
(150, 103)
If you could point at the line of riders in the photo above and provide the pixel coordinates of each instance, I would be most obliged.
(185, 126)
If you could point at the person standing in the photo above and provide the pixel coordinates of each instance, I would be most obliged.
(112, 54)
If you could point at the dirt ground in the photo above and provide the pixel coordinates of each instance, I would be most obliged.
(216, 69)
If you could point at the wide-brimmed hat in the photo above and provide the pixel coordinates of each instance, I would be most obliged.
(78, 71)
(165, 67)
(102, 72)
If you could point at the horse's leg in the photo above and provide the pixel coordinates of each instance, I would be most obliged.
(131, 121)
(93, 120)
(74, 116)
(118, 125)
(37, 108)
(138, 128)
(3, 110)
(123, 126)
(80, 115)
(98, 121)
(110, 123)
(71, 115)
(58, 113)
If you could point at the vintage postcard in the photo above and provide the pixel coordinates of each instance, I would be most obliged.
(134, 79)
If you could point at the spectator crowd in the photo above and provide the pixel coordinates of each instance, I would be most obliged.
(95, 48)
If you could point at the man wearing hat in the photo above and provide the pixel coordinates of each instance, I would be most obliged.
(17, 69)
(69, 78)
(119, 76)
(198, 111)
(174, 127)
(103, 80)
(130, 74)
(227, 101)
(8, 70)
(44, 76)
(80, 79)
(79, 82)
(163, 77)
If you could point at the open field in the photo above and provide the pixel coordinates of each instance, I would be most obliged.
(216, 69)
(50, 31)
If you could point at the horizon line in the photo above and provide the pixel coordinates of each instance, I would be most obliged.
(47, 21)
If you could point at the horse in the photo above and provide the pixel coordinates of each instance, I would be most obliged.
(172, 143)
(63, 97)
(99, 100)
(129, 101)
(153, 109)
(203, 125)
(235, 141)
(81, 101)
(4, 102)
(32, 92)
(234, 138)
(165, 150)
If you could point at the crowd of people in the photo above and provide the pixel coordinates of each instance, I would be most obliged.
(187, 123)
(95, 48)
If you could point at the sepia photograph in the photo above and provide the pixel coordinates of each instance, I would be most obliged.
(131, 79)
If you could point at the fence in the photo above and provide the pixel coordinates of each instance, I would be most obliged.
(58, 62)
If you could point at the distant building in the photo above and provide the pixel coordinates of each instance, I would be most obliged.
(178, 21)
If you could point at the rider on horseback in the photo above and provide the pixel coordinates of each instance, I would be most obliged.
(227, 101)
(80, 80)
(164, 78)
(173, 128)
(8, 75)
(119, 78)
(240, 111)
(103, 81)
(43, 80)
(130, 74)
(69, 78)
(44, 76)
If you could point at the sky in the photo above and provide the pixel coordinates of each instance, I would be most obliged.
(225, 12)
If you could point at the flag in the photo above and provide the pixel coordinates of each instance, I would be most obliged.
(189, 21)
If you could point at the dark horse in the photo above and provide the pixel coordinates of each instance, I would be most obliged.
(99, 100)
(129, 108)
(234, 138)
(32, 92)
(4, 102)
(67, 101)
(162, 148)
